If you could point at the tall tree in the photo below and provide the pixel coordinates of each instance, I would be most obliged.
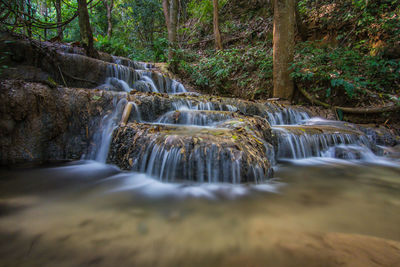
(57, 5)
(283, 47)
(170, 8)
(109, 4)
(85, 30)
(165, 4)
(217, 35)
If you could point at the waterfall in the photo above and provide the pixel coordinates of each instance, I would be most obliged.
(138, 76)
(278, 115)
(194, 117)
(201, 164)
(302, 144)
(132, 64)
(186, 104)
(102, 138)
(196, 139)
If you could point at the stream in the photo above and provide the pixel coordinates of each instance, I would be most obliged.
(321, 193)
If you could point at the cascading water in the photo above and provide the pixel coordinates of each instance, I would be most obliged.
(132, 64)
(298, 142)
(185, 104)
(139, 76)
(180, 148)
(326, 140)
(287, 116)
(194, 117)
(102, 138)
(206, 161)
(168, 164)
(278, 115)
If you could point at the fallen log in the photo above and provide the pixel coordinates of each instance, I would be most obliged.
(352, 110)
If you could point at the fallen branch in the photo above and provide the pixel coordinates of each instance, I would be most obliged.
(312, 99)
(389, 108)
(62, 76)
(372, 110)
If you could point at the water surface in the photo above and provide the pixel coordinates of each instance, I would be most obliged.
(78, 214)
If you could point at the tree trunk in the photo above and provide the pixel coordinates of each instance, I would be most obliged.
(165, 4)
(218, 42)
(109, 4)
(301, 28)
(44, 14)
(283, 48)
(57, 5)
(29, 24)
(85, 30)
(172, 36)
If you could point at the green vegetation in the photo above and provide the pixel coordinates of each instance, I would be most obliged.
(230, 67)
(351, 54)
(347, 58)
(344, 69)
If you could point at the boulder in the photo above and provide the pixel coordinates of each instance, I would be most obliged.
(238, 154)
(39, 123)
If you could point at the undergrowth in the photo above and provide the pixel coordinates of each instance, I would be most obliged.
(330, 70)
(248, 70)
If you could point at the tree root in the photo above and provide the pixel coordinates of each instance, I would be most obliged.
(372, 110)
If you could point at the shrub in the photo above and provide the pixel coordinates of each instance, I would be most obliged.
(345, 68)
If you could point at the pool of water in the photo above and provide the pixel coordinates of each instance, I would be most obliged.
(325, 213)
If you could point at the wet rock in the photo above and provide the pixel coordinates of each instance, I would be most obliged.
(381, 135)
(392, 152)
(142, 86)
(39, 123)
(303, 141)
(192, 153)
(31, 60)
(154, 105)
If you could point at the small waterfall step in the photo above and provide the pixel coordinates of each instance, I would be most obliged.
(196, 117)
(279, 114)
(304, 141)
(144, 80)
(154, 105)
(132, 64)
(177, 152)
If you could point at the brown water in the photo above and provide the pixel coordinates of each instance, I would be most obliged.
(88, 214)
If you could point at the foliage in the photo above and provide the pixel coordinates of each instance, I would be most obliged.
(361, 29)
(114, 45)
(344, 68)
(365, 25)
(220, 69)
(203, 9)
(139, 26)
